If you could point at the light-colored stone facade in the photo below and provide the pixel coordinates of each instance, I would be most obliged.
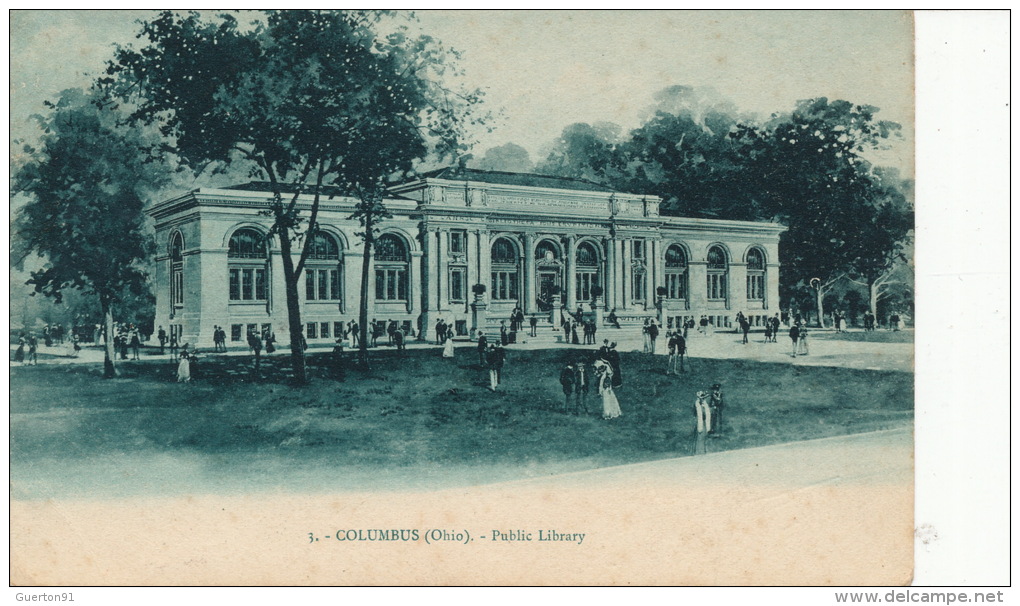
(524, 237)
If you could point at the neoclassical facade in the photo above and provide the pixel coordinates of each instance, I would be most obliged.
(535, 242)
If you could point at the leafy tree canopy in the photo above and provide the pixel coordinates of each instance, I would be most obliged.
(86, 183)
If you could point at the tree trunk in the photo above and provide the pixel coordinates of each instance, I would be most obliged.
(873, 288)
(365, 294)
(109, 370)
(819, 296)
(297, 343)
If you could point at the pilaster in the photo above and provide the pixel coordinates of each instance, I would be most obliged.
(529, 274)
(571, 269)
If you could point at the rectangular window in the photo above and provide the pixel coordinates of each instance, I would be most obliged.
(322, 285)
(676, 286)
(504, 285)
(755, 287)
(391, 284)
(247, 284)
(261, 290)
(252, 329)
(458, 283)
(235, 332)
(717, 287)
(177, 285)
(338, 329)
(639, 249)
(458, 241)
(235, 284)
(639, 287)
(584, 283)
(324, 330)
(311, 331)
(334, 284)
(309, 285)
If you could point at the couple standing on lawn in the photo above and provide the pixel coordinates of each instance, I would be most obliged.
(576, 377)
(708, 407)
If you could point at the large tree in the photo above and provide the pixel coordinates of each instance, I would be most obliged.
(812, 174)
(309, 100)
(86, 184)
(883, 260)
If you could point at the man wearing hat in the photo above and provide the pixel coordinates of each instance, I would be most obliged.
(483, 344)
(716, 405)
(614, 363)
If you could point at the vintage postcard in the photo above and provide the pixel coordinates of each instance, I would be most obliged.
(462, 298)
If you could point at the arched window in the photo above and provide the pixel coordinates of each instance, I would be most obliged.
(676, 272)
(391, 268)
(323, 269)
(545, 251)
(177, 270)
(755, 275)
(718, 269)
(587, 270)
(247, 256)
(505, 271)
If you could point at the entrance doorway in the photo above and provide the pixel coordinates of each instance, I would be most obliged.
(548, 281)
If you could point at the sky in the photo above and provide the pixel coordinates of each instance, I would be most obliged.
(544, 70)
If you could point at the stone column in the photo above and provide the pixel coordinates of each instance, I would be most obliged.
(371, 286)
(649, 274)
(736, 299)
(485, 260)
(529, 274)
(626, 296)
(443, 281)
(429, 285)
(610, 274)
(571, 269)
(471, 254)
(414, 294)
(696, 288)
(736, 276)
(772, 287)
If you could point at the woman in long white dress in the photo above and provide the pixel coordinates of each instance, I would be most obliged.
(610, 405)
(448, 348)
(703, 412)
(184, 366)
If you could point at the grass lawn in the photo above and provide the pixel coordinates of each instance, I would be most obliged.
(411, 419)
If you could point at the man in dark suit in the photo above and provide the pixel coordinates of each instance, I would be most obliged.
(495, 357)
(391, 328)
(567, 382)
(534, 326)
(716, 404)
(795, 337)
(582, 382)
(677, 346)
(483, 344)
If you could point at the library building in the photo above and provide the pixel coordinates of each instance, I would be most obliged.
(464, 246)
